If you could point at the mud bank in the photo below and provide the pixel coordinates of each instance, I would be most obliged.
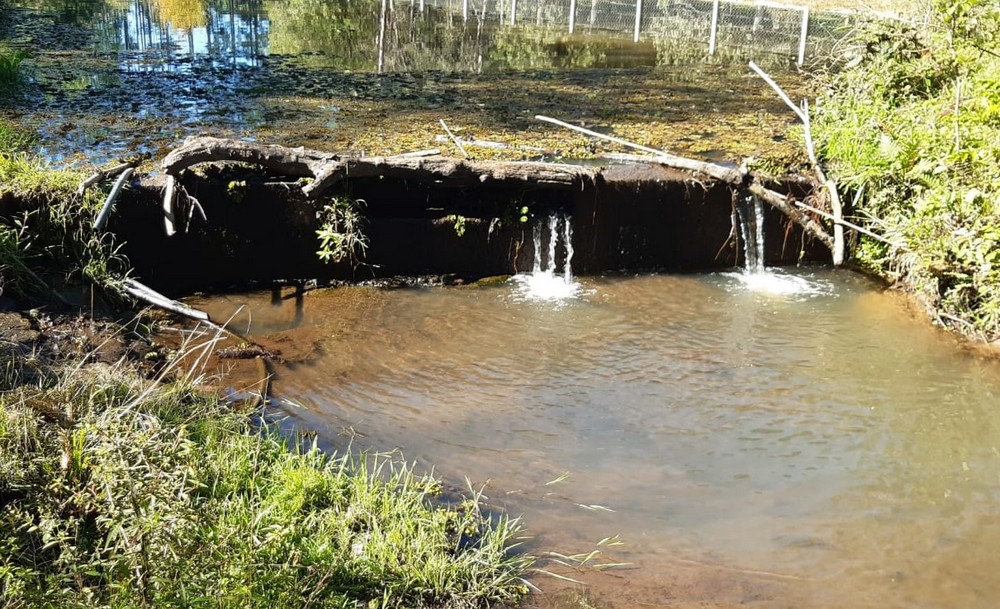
(261, 227)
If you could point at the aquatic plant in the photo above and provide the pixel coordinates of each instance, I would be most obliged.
(123, 492)
(10, 66)
(913, 129)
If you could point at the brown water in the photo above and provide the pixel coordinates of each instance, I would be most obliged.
(814, 449)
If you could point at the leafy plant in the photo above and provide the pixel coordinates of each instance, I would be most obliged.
(458, 222)
(914, 128)
(10, 65)
(47, 241)
(341, 235)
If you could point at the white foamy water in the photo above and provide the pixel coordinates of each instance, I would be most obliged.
(777, 282)
(545, 283)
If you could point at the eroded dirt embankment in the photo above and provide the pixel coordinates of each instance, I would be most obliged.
(260, 227)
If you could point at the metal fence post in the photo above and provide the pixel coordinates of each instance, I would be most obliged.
(804, 34)
(465, 10)
(572, 15)
(715, 27)
(638, 19)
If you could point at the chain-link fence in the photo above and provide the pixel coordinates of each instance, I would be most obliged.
(712, 27)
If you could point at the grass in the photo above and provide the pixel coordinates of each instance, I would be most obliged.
(13, 139)
(10, 66)
(46, 226)
(914, 128)
(116, 491)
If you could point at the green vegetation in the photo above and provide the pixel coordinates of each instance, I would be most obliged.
(117, 491)
(10, 66)
(915, 128)
(341, 235)
(13, 138)
(46, 226)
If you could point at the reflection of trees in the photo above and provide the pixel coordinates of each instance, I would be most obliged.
(183, 14)
(338, 34)
(539, 47)
(336, 28)
(345, 35)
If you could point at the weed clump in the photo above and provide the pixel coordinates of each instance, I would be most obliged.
(46, 239)
(915, 128)
(120, 492)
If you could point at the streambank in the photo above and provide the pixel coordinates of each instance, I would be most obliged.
(233, 224)
(910, 131)
(125, 483)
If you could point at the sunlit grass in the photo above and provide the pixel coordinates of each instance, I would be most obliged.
(118, 491)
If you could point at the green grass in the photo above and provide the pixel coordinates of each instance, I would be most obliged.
(13, 139)
(10, 67)
(915, 127)
(121, 492)
(46, 239)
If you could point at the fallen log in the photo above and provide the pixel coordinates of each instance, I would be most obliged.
(295, 162)
(328, 169)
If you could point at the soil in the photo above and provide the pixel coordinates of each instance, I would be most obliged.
(39, 342)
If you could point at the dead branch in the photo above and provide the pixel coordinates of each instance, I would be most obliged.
(781, 204)
(102, 217)
(103, 174)
(457, 141)
(730, 175)
(837, 248)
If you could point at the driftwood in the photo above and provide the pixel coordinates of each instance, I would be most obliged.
(102, 216)
(103, 174)
(328, 169)
(147, 294)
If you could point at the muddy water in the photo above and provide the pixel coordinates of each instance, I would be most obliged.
(814, 449)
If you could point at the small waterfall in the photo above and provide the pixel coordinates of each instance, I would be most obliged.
(549, 236)
(751, 213)
(756, 277)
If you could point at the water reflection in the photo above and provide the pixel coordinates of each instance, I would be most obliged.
(815, 451)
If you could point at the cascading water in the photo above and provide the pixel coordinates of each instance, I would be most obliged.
(756, 277)
(751, 214)
(545, 281)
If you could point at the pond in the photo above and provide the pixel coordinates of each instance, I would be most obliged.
(797, 440)
(107, 78)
